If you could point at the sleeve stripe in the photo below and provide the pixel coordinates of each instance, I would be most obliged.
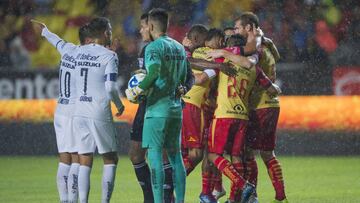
(57, 43)
(112, 77)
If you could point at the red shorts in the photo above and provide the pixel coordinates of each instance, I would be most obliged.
(227, 134)
(261, 133)
(192, 127)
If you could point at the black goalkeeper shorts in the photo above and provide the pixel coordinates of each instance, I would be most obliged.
(138, 124)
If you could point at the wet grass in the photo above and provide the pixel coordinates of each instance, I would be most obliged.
(308, 179)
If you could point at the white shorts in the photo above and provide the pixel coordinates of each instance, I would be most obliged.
(91, 133)
(65, 138)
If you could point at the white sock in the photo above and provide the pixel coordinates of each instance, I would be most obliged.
(108, 181)
(61, 180)
(84, 183)
(73, 183)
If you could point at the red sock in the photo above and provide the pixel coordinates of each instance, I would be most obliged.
(189, 166)
(275, 173)
(229, 171)
(217, 178)
(206, 182)
(251, 171)
(234, 192)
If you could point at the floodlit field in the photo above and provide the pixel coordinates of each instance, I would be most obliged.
(308, 180)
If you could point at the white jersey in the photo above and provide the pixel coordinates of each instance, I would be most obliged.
(95, 66)
(66, 100)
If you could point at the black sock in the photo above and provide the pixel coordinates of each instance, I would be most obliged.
(143, 175)
(168, 183)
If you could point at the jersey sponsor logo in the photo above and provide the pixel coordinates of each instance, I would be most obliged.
(272, 102)
(69, 58)
(67, 65)
(85, 99)
(87, 57)
(88, 64)
(238, 109)
(174, 57)
(63, 101)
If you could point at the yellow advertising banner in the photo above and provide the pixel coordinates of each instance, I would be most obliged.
(296, 112)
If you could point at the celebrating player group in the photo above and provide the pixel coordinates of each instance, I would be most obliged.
(209, 99)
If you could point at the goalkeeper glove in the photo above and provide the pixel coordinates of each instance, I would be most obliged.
(132, 94)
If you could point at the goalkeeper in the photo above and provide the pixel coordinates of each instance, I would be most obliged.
(166, 64)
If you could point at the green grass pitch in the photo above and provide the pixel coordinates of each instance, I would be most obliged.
(307, 179)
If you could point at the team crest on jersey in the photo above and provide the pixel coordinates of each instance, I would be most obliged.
(238, 107)
(152, 56)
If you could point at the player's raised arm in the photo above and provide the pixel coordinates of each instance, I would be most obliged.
(52, 38)
(111, 72)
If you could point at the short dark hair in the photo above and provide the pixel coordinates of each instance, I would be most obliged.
(235, 40)
(84, 32)
(198, 29)
(144, 16)
(228, 28)
(248, 18)
(160, 16)
(98, 26)
(214, 32)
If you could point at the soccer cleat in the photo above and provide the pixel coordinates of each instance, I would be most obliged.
(218, 194)
(280, 201)
(204, 198)
(248, 190)
(253, 199)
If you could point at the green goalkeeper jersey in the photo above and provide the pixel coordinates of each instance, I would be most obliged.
(166, 65)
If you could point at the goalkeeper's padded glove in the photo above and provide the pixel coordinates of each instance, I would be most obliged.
(132, 94)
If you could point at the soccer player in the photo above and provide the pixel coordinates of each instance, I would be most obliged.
(192, 126)
(166, 66)
(229, 125)
(67, 175)
(96, 69)
(264, 115)
(136, 152)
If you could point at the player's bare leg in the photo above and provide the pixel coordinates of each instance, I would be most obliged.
(275, 173)
(142, 171)
(62, 176)
(73, 192)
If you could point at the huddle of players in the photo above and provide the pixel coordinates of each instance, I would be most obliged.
(87, 84)
(83, 120)
(233, 114)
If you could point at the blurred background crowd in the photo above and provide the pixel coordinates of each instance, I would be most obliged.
(314, 37)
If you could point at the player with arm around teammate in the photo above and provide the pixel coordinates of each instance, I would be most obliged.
(96, 73)
(67, 175)
(264, 114)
